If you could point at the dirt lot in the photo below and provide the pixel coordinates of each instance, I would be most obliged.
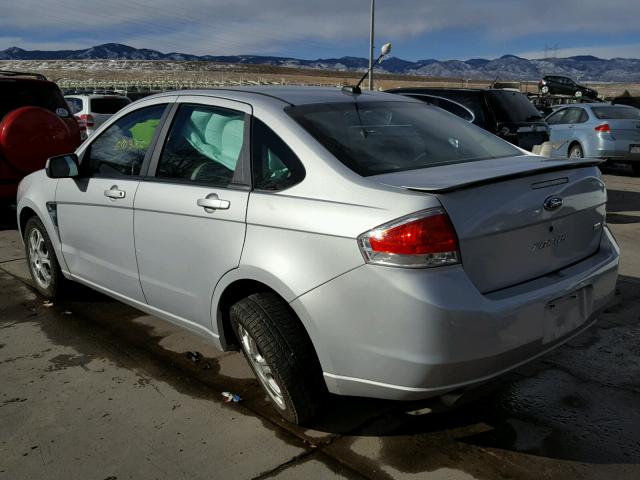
(155, 71)
(93, 389)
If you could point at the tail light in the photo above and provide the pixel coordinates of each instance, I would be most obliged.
(423, 239)
(604, 128)
(88, 118)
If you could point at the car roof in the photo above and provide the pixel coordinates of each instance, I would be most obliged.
(95, 95)
(292, 95)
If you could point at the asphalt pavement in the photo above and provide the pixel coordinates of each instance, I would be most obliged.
(93, 389)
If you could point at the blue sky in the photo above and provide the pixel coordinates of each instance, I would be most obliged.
(441, 29)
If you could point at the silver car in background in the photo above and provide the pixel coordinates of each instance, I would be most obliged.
(362, 244)
(95, 109)
(597, 130)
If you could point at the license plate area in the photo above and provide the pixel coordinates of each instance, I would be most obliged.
(567, 313)
(634, 149)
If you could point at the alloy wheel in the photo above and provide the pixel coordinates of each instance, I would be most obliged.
(260, 366)
(39, 259)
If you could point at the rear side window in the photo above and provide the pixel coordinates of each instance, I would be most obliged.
(108, 105)
(34, 93)
(385, 136)
(274, 165)
(204, 145)
(616, 113)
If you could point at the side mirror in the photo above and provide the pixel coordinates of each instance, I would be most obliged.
(62, 166)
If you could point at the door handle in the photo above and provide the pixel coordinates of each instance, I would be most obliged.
(212, 202)
(114, 192)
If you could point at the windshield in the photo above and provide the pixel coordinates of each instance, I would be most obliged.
(512, 107)
(380, 137)
(616, 113)
(108, 105)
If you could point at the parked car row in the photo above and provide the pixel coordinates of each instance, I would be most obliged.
(505, 113)
(359, 243)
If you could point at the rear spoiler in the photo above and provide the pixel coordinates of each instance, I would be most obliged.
(578, 163)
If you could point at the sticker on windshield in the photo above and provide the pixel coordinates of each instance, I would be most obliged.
(62, 112)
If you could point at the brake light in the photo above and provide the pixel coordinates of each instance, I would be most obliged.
(423, 239)
(604, 128)
(88, 119)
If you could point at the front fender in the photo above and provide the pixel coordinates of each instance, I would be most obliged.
(34, 191)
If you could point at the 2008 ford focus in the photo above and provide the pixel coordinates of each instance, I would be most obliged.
(361, 244)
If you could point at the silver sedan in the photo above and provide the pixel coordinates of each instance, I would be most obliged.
(355, 243)
(598, 130)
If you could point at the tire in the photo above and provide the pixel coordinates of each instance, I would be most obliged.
(41, 259)
(578, 94)
(636, 169)
(281, 355)
(544, 89)
(576, 151)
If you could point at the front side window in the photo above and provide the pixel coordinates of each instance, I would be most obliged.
(275, 166)
(203, 145)
(557, 118)
(120, 150)
(391, 136)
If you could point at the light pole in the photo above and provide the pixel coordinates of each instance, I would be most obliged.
(373, 7)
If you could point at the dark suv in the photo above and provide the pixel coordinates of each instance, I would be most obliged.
(505, 113)
(35, 124)
(558, 85)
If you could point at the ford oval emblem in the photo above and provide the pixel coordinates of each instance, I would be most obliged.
(552, 203)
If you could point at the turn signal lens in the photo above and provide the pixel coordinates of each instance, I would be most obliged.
(424, 239)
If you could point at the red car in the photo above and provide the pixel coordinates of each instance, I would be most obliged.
(35, 124)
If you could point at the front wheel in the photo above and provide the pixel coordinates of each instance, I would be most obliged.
(576, 152)
(578, 94)
(281, 355)
(43, 264)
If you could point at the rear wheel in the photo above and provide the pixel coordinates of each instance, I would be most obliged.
(41, 258)
(636, 169)
(281, 355)
(544, 89)
(578, 94)
(576, 151)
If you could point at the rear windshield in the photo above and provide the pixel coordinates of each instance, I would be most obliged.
(108, 105)
(381, 137)
(29, 93)
(616, 113)
(513, 107)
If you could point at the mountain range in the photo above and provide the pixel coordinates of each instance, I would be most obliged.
(507, 67)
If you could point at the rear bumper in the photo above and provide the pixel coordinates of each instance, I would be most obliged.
(411, 334)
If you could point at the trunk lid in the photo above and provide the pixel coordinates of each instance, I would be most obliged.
(497, 207)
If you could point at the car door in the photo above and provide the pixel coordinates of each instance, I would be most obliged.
(190, 212)
(557, 129)
(95, 210)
